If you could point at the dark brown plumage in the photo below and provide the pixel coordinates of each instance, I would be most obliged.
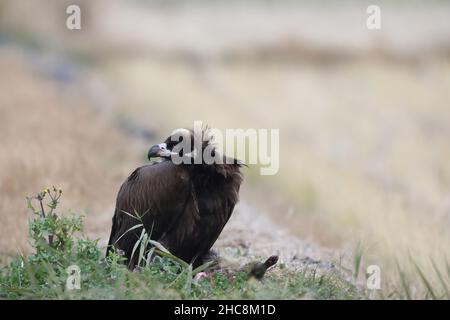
(184, 207)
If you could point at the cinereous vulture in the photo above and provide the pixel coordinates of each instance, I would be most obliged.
(183, 206)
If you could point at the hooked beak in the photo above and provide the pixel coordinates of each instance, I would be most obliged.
(159, 151)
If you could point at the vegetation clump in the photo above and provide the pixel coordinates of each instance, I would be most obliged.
(59, 245)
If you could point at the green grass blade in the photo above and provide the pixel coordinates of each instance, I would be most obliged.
(171, 256)
(203, 267)
(178, 277)
(159, 246)
(29, 270)
(130, 215)
(138, 242)
(424, 279)
(132, 228)
(448, 268)
(149, 256)
(403, 281)
(141, 216)
(188, 285)
(143, 247)
(357, 260)
(441, 278)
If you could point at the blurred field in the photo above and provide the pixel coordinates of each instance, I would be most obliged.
(51, 137)
(363, 117)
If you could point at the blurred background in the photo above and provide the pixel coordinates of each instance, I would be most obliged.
(364, 115)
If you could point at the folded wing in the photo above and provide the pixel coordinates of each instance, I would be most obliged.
(156, 196)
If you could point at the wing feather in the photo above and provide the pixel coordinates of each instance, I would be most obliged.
(155, 195)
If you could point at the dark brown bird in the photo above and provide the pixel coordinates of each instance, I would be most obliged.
(183, 206)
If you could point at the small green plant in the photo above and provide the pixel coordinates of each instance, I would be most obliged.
(43, 273)
(47, 230)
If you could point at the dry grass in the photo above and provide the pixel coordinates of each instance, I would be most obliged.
(50, 137)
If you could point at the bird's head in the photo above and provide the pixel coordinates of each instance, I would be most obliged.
(186, 144)
(159, 150)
